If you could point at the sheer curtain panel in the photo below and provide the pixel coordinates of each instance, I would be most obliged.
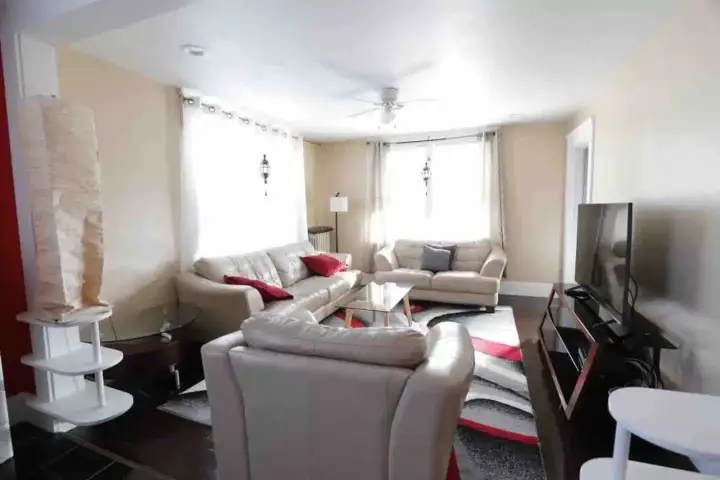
(226, 208)
(462, 199)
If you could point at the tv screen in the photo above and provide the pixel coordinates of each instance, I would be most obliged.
(602, 261)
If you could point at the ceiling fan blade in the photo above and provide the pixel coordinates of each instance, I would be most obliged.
(363, 100)
(413, 100)
(414, 70)
(364, 112)
(370, 81)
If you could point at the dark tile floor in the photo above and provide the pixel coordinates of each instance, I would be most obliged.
(40, 455)
(146, 443)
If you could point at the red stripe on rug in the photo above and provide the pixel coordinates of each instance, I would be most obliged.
(497, 432)
(453, 471)
(497, 349)
(353, 323)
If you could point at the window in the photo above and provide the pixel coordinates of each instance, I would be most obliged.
(227, 210)
(455, 206)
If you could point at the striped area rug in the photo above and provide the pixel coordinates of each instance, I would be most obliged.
(496, 436)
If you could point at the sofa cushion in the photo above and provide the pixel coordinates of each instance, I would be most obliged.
(281, 307)
(396, 347)
(290, 267)
(419, 278)
(255, 265)
(470, 256)
(268, 292)
(409, 253)
(322, 264)
(348, 280)
(314, 292)
(465, 282)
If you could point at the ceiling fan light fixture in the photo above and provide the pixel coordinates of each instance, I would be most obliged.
(387, 116)
(193, 50)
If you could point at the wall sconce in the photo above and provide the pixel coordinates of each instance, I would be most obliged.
(265, 171)
(426, 174)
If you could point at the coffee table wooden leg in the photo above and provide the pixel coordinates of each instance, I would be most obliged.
(387, 319)
(348, 317)
(408, 313)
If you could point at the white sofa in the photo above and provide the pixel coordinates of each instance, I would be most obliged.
(222, 308)
(474, 277)
(298, 400)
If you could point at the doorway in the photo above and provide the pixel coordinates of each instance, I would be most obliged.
(578, 189)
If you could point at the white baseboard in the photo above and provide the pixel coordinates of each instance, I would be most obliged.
(526, 289)
(20, 412)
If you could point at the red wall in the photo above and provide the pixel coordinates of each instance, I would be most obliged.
(14, 336)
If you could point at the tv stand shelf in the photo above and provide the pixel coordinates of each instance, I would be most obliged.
(554, 374)
(577, 341)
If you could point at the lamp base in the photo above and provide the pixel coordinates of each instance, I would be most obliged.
(337, 244)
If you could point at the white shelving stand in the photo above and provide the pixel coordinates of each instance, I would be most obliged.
(92, 402)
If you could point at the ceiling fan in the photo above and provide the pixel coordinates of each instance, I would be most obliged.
(388, 105)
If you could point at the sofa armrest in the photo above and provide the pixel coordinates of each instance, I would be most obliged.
(222, 307)
(226, 405)
(346, 258)
(495, 262)
(426, 416)
(385, 259)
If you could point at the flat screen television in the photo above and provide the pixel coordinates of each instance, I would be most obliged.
(602, 258)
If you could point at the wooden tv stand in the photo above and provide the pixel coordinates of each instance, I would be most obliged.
(570, 369)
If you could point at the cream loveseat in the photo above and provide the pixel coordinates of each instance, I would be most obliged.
(223, 308)
(474, 276)
(297, 400)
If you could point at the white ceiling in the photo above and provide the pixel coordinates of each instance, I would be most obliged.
(300, 62)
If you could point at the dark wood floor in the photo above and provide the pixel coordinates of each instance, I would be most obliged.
(146, 443)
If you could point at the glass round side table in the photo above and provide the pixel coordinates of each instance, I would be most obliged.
(153, 342)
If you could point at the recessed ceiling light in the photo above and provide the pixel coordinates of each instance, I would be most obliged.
(194, 50)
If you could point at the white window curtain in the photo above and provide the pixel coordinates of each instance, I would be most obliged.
(463, 198)
(225, 206)
(375, 227)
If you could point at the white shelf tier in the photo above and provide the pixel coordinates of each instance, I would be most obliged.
(82, 408)
(77, 362)
(80, 317)
(601, 469)
(686, 423)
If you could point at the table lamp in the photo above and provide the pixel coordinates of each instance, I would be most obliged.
(338, 204)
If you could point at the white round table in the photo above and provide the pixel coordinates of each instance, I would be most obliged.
(686, 423)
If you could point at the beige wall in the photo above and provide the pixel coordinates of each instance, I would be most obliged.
(657, 143)
(139, 126)
(533, 159)
(341, 167)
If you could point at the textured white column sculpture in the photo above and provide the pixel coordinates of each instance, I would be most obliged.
(60, 154)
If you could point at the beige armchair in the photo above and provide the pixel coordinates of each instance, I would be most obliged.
(296, 399)
(474, 276)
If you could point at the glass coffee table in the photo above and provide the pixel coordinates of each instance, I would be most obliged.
(379, 298)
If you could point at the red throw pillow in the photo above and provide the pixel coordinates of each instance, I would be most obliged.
(268, 292)
(323, 264)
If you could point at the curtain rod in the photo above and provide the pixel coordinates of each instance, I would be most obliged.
(217, 109)
(459, 137)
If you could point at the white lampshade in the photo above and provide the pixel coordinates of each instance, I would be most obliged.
(338, 204)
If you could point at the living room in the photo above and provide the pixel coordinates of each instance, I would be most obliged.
(480, 128)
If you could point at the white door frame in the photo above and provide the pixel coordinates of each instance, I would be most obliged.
(577, 189)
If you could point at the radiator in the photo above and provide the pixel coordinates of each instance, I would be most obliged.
(320, 239)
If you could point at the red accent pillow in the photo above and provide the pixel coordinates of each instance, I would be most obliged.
(268, 292)
(323, 264)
